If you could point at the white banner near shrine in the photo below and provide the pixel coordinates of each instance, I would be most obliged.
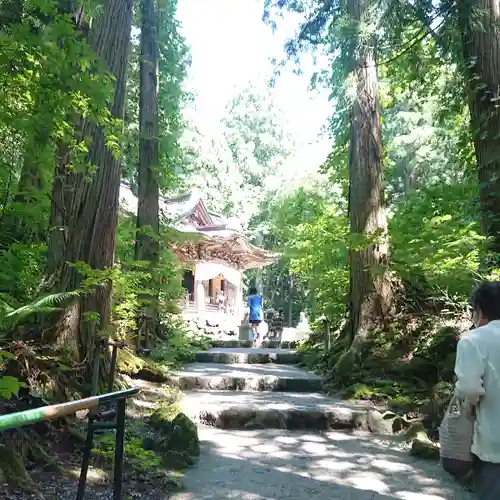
(205, 271)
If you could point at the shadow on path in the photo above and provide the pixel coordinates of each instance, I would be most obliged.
(266, 464)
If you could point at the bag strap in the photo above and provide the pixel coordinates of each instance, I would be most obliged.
(457, 401)
(454, 401)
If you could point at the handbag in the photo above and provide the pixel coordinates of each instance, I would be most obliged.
(455, 438)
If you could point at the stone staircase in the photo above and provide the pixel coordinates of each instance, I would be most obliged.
(267, 431)
(245, 388)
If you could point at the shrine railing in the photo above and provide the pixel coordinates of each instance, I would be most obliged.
(53, 412)
(109, 418)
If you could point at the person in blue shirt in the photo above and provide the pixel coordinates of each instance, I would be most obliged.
(255, 314)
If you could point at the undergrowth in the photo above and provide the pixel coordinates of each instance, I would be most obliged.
(409, 366)
(136, 458)
(178, 344)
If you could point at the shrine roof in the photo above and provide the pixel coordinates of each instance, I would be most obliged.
(187, 214)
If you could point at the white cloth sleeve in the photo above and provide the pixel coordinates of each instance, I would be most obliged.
(469, 369)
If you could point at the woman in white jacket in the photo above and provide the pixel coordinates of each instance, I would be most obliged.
(477, 369)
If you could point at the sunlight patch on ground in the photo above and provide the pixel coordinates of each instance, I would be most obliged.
(390, 466)
(408, 495)
(336, 466)
(94, 475)
(370, 481)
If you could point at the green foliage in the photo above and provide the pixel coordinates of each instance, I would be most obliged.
(21, 271)
(179, 345)
(9, 386)
(137, 458)
(10, 317)
(49, 76)
(436, 239)
(311, 231)
(244, 160)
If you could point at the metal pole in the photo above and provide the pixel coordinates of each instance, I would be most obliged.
(86, 460)
(95, 374)
(119, 447)
(327, 336)
(90, 428)
(111, 381)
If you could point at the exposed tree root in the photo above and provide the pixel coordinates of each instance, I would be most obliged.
(16, 449)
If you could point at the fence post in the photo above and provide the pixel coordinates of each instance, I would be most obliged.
(86, 459)
(327, 340)
(23, 418)
(90, 427)
(112, 369)
(119, 449)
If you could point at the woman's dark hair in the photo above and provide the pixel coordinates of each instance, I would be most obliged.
(252, 291)
(486, 298)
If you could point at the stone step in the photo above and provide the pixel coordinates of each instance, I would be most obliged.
(239, 377)
(235, 355)
(271, 344)
(272, 410)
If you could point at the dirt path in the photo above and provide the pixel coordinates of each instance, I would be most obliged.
(294, 460)
(298, 465)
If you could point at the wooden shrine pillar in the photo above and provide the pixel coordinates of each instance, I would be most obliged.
(199, 295)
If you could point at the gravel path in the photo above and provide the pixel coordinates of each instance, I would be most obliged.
(266, 464)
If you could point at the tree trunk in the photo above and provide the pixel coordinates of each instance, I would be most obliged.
(62, 183)
(480, 28)
(290, 300)
(370, 291)
(148, 222)
(59, 215)
(259, 282)
(93, 211)
(38, 152)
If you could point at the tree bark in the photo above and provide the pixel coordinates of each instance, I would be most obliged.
(59, 215)
(370, 295)
(480, 28)
(93, 211)
(259, 282)
(148, 222)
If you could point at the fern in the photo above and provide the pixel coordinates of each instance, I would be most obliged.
(44, 305)
(5, 308)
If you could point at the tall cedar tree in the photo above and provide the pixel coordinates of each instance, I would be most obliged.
(370, 294)
(148, 223)
(480, 29)
(370, 298)
(93, 210)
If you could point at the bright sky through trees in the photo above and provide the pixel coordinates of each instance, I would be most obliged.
(230, 47)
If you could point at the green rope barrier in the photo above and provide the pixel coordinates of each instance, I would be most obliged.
(28, 417)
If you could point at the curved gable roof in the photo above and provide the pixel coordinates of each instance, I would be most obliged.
(177, 209)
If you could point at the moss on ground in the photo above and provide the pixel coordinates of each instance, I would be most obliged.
(176, 439)
(404, 366)
(12, 466)
(130, 364)
(155, 446)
